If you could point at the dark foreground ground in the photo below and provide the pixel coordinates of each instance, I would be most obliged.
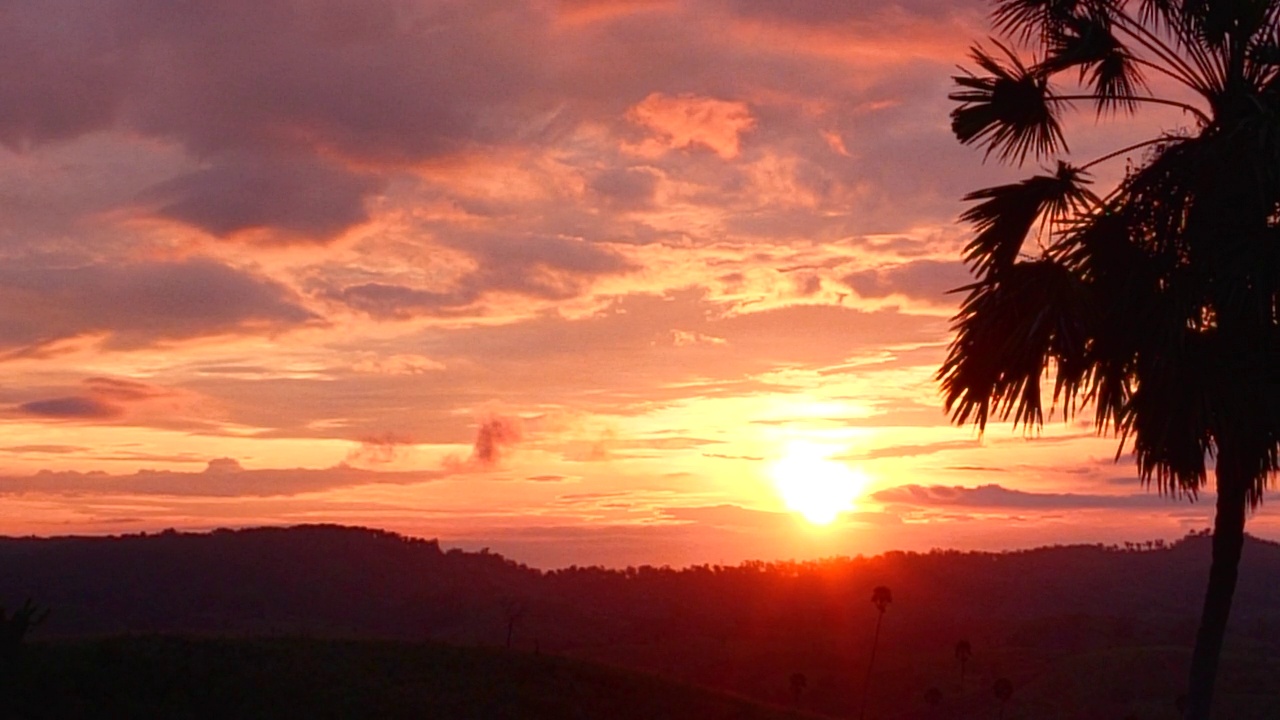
(172, 678)
(1081, 632)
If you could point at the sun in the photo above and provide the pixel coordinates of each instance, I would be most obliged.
(813, 485)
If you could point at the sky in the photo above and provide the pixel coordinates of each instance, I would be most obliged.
(581, 281)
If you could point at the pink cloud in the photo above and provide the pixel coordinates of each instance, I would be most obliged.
(683, 121)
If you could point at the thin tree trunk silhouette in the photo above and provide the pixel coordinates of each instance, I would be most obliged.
(1228, 540)
(963, 652)
(882, 598)
(866, 682)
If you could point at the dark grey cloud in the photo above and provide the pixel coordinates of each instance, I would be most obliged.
(625, 187)
(138, 304)
(999, 497)
(260, 91)
(99, 398)
(75, 407)
(923, 279)
(495, 436)
(304, 198)
(291, 109)
(544, 267)
(66, 76)
(396, 302)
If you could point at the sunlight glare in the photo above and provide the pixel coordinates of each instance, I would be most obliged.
(813, 485)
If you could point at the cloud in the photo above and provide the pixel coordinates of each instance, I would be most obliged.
(138, 304)
(258, 93)
(123, 390)
(103, 398)
(379, 449)
(548, 268)
(684, 121)
(931, 280)
(496, 435)
(397, 364)
(304, 199)
(727, 516)
(221, 478)
(629, 188)
(71, 408)
(920, 449)
(821, 12)
(43, 449)
(997, 497)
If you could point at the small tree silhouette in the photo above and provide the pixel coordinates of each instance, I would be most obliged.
(799, 683)
(881, 597)
(1003, 690)
(933, 696)
(14, 628)
(13, 631)
(964, 651)
(512, 610)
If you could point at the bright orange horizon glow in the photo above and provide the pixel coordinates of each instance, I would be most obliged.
(813, 485)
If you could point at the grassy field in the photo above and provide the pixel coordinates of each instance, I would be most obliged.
(168, 677)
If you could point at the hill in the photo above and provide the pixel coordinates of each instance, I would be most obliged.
(1044, 618)
(167, 677)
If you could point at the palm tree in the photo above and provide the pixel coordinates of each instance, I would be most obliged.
(1003, 690)
(882, 598)
(1156, 302)
(964, 651)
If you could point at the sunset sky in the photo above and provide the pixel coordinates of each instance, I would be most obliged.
(578, 280)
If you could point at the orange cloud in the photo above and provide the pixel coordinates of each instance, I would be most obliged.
(682, 121)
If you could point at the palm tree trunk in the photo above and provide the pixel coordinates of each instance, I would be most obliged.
(866, 682)
(1228, 539)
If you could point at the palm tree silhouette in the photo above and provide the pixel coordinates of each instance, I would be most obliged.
(881, 597)
(964, 651)
(1003, 690)
(1154, 302)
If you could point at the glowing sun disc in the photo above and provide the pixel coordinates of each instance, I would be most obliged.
(815, 486)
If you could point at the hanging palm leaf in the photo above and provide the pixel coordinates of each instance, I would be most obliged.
(1007, 214)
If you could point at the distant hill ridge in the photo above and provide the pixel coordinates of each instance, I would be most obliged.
(332, 580)
(746, 629)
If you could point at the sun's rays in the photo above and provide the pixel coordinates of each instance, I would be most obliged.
(813, 484)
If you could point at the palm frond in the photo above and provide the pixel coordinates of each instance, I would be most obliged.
(1229, 22)
(1009, 109)
(1159, 13)
(1025, 19)
(1170, 417)
(1086, 41)
(1008, 333)
(1119, 274)
(1007, 213)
